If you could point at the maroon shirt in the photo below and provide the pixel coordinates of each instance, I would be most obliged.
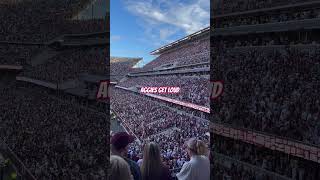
(165, 175)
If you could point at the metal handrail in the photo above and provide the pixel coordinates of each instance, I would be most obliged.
(21, 168)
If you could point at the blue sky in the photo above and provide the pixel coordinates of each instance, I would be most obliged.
(138, 27)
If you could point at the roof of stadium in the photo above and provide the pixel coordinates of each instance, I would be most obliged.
(180, 41)
(124, 59)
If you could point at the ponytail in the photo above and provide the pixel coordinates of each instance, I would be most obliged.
(198, 147)
(201, 148)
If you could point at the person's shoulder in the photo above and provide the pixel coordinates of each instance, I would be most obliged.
(205, 158)
(185, 170)
(131, 162)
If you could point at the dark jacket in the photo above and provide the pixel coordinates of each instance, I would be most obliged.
(165, 175)
(135, 170)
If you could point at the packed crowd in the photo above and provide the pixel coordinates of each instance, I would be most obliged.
(193, 88)
(84, 26)
(68, 64)
(11, 54)
(232, 6)
(150, 165)
(153, 121)
(273, 88)
(120, 67)
(42, 20)
(54, 138)
(190, 53)
(279, 163)
(267, 88)
(266, 18)
(274, 92)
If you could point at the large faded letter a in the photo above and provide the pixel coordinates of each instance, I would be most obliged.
(103, 90)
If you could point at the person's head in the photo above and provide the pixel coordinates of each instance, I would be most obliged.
(120, 169)
(196, 147)
(151, 162)
(119, 143)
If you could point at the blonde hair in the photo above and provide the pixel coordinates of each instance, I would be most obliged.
(151, 163)
(197, 147)
(120, 169)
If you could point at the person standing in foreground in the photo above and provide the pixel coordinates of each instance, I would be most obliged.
(119, 146)
(199, 165)
(120, 169)
(152, 167)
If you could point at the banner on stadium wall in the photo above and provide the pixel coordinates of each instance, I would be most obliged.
(185, 104)
(103, 91)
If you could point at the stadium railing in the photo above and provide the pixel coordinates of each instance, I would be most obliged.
(269, 27)
(277, 7)
(224, 160)
(23, 173)
(126, 127)
(289, 146)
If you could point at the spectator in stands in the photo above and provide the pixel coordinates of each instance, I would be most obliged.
(139, 160)
(199, 165)
(119, 146)
(120, 169)
(152, 167)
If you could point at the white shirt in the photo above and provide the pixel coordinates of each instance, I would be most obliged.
(198, 168)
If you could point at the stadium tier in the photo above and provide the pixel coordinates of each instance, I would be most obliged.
(68, 64)
(196, 50)
(229, 7)
(17, 54)
(266, 123)
(194, 88)
(150, 120)
(120, 67)
(62, 132)
(42, 20)
(52, 126)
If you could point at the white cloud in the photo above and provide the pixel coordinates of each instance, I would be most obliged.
(115, 38)
(165, 33)
(166, 17)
